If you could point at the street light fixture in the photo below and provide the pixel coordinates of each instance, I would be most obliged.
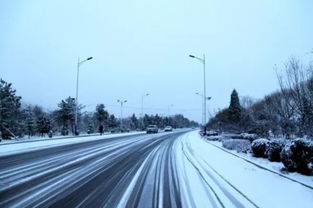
(76, 106)
(121, 102)
(202, 60)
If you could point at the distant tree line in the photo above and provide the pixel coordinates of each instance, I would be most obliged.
(18, 120)
(286, 112)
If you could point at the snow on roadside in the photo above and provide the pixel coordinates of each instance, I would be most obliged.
(19, 147)
(262, 187)
(274, 166)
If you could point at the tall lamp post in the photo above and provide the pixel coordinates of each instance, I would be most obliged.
(203, 109)
(121, 102)
(142, 97)
(201, 106)
(76, 106)
(169, 109)
(202, 60)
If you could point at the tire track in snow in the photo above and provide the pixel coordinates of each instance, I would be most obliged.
(203, 178)
(94, 174)
(231, 197)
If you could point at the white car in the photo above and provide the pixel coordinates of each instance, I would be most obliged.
(168, 128)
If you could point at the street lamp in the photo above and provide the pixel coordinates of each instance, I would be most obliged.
(121, 102)
(76, 106)
(142, 97)
(207, 98)
(202, 60)
(168, 109)
(201, 106)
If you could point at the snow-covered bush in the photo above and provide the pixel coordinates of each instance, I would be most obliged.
(298, 156)
(258, 147)
(237, 144)
(274, 148)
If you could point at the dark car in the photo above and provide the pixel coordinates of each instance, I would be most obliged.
(152, 129)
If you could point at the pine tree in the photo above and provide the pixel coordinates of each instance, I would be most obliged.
(113, 123)
(134, 122)
(9, 110)
(43, 125)
(66, 114)
(30, 122)
(234, 110)
(101, 115)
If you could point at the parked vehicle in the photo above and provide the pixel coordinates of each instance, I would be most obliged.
(152, 129)
(168, 128)
(211, 133)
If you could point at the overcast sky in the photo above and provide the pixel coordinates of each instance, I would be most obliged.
(142, 46)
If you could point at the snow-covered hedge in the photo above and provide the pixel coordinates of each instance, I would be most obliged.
(298, 156)
(274, 148)
(258, 147)
(237, 144)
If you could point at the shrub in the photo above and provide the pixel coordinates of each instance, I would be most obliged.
(258, 147)
(274, 148)
(237, 144)
(298, 156)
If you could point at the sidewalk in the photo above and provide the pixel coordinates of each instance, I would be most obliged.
(260, 186)
(30, 145)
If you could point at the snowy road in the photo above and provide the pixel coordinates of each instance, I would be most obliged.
(176, 169)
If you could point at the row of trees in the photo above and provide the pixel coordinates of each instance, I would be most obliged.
(17, 119)
(286, 112)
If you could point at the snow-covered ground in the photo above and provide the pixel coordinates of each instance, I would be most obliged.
(210, 175)
(264, 162)
(41, 143)
(175, 169)
(45, 137)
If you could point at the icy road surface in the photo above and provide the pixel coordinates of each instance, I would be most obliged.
(176, 169)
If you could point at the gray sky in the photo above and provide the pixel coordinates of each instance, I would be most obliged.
(143, 46)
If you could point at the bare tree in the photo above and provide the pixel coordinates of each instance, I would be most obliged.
(296, 84)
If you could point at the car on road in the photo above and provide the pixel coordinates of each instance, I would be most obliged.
(211, 133)
(168, 128)
(152, 129)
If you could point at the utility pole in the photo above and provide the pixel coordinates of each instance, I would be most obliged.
(121, 102)
(76, 100)
(169, 110)
(142, 97)
(202, 98)
(142, 115)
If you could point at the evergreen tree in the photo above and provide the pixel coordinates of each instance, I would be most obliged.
(146, 121)
(9, 110)
(30, 122)
(234, 110)
(113, 123)
(134, 122)
(66, 114)
(101, 115)
(43, 125)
